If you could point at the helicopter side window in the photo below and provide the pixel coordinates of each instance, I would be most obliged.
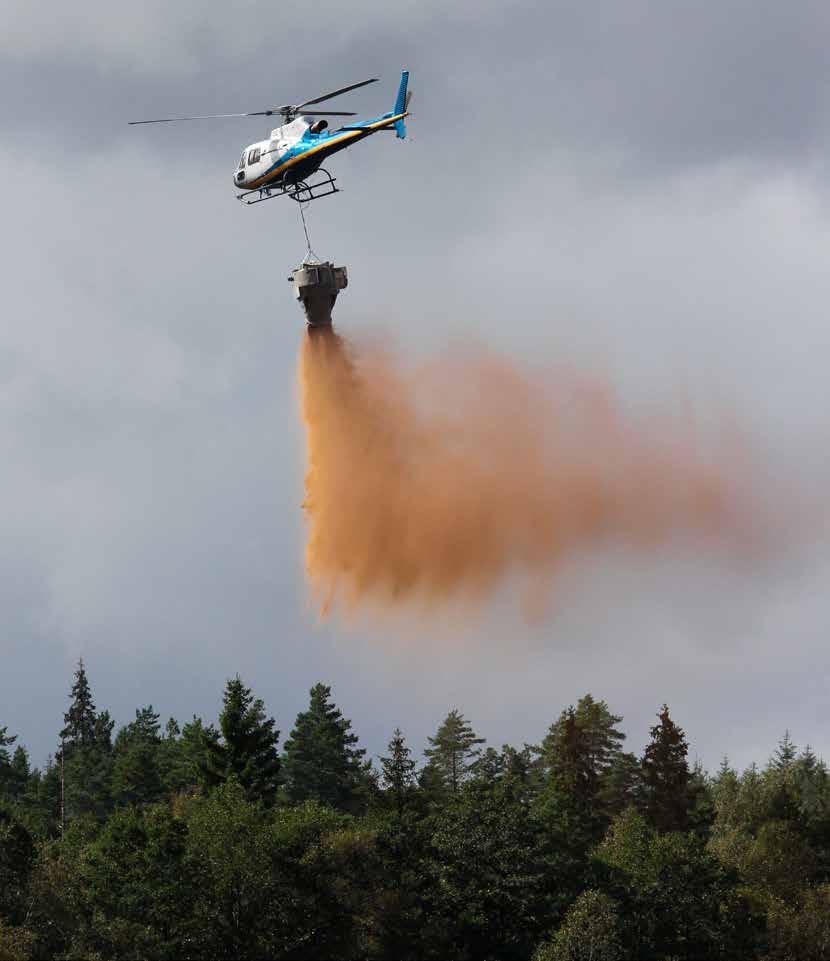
(253, 156)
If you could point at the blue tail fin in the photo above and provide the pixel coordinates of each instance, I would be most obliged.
(400, 104)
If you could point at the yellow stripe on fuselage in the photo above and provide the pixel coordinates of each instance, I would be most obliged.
(348, 135)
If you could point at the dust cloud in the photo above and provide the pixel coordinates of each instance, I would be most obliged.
(447, 480)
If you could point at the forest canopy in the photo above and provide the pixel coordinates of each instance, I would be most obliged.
(224, 839)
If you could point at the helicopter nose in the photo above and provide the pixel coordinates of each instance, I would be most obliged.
(239, 178)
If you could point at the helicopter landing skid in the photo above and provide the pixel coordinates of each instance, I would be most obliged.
(299, 190)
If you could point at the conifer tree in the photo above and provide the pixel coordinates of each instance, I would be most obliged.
(19, 773)
(621, 784)
(322, 761)
(80, 727)
(398, 771)
(136, 776)
(85, 751)
(453, 751)
(593, 727)
(666, 776)
(181, 751)
(247, 748)
(6, 741)
(785, 754)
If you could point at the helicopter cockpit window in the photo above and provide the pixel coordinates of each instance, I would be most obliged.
(253, 156)
(242, 160)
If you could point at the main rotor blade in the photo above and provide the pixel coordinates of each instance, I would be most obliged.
(336, 93)
(327, 113)
(208, 116)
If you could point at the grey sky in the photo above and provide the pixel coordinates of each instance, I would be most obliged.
(636, 187)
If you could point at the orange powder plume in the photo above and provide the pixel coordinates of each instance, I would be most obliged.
(442, 481)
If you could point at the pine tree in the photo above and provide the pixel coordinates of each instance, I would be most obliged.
(398, 771)
(666, 776)
(321, 760)
(247, 749)
(600, 742)
(567, 752)
(453, 750)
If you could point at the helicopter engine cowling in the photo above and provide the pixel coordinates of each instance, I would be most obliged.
(319, 126)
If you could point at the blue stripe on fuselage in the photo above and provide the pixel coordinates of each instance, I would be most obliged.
(319, 146)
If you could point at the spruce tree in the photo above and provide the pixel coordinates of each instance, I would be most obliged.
(80, 727)
(785, 754)
(85, 752)
(322, 761)
(181, 752)
(247, 748)
(19, 773)
(136, 775)
(452, 752)
(621, 784)
(666, 776)
(398, 771)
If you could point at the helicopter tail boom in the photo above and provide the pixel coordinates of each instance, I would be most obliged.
(400, 105)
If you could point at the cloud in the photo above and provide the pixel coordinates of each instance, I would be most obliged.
(630, 184)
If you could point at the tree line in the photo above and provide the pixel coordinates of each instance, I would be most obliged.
(209, 840)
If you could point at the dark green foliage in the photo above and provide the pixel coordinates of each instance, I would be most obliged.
(192, 843)
(801, 928)
(590, 932)
(398, 773)
(487, 859)
(247, 748)
(17, 852)
(675, 899)
(238, 911)
(622, 784)
(136, 778)
(582, 757)
(14, 769)
(137, 887)
(180, 753)
(81, 726)
(666, 776)
(85, 756)
(6, 740)
(321, 760)
(451, 752)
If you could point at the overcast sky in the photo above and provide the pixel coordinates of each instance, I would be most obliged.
(631, 186)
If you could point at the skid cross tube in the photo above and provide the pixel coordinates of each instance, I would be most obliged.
(301, 191)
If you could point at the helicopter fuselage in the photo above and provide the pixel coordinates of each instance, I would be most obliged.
(296, 150)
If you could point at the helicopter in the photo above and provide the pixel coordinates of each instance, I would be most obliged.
(289, 162)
